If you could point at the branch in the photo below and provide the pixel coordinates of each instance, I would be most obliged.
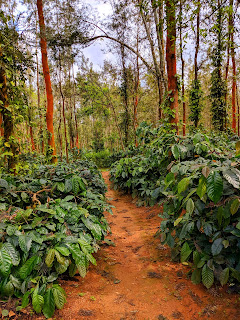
(123, 44)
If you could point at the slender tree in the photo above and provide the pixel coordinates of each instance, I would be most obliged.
(171, 60)
(48, 84)
(234, 82)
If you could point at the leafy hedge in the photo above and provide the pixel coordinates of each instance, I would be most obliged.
(197, 180)
(51, 223)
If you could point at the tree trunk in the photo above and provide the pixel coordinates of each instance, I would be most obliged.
(46, 72)
(156, 66)
(172, 61)
(137, 81)
(75, 111)
(234, 83)
(125, 97)
(183, 64)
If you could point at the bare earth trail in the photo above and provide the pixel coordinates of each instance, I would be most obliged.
(135, 279)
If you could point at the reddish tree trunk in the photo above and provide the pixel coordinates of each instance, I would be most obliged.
(46, 72)
(172, 61)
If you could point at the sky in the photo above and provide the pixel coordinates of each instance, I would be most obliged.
(97, 52)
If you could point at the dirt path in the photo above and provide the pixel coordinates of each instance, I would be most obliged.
(135, 279)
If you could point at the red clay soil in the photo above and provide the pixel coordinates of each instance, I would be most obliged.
(136, 279)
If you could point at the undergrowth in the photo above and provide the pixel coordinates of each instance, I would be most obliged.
(51, 222)
(196, 179)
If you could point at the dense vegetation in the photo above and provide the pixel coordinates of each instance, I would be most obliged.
(51, 223)
(196, 181)
(169, 129)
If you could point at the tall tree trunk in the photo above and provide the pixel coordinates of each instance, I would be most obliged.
(46, 72)
(125, 96)
(6, 118)
(155, 63)
(59, 130)
(137, 81)
(38, 96)
(74, 110)
(183, 63)
(172, 61)
(63, 109)
(234, 83)
(238, 121)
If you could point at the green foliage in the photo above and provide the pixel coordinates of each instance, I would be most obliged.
(195, 102)
(217, 95)
(52, 221)
(197, 180)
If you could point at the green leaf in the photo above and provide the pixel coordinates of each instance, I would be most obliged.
(5, 312)
(202, 187)
(49, 304)
(86, 247)
(185, 252)
(182, 185)
(81, 264)
(61, 186)
(234, 206)
(177, 221)
(75, 186)
(11, 230)
(25, 299)
(175, 151)
(5, 262)
(94, 228)
(25, 242)
(207, 276)
(3, 184)
(214, 186)
(217, 246)
(50, 257)
(196, 276)
(37, 302)
(190, 206)
(224, 276)
(59, 298)
(28, 266)
(59, 257)
(63, 250)
(12, 252)
(16, 282)
(61, 268)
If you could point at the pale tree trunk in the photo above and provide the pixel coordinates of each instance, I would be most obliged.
(74, 109)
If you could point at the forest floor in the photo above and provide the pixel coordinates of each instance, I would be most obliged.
(136, 280)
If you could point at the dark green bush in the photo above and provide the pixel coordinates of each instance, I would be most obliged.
(51, 223)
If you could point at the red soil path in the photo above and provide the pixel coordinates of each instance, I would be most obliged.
(135, 279)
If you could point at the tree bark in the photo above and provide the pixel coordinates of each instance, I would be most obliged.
(183, 64)
(46, 72)
(234, 83)
(172, 61)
